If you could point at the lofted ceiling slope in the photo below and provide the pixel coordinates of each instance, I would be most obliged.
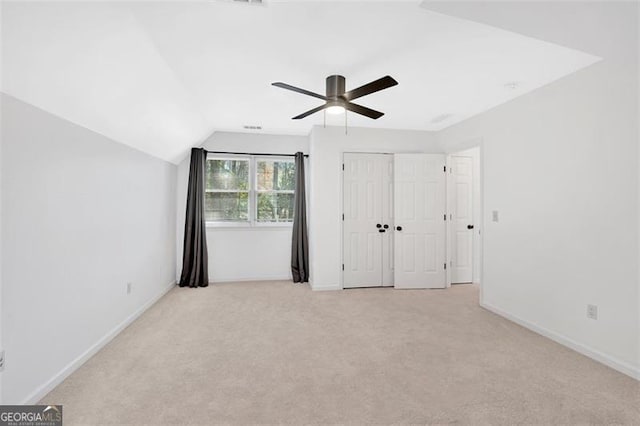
(161, 76)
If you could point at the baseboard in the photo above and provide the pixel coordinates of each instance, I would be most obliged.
(43, 390)
(609, 361)
(325, 287)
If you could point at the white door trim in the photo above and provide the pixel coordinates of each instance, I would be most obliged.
(448, 228)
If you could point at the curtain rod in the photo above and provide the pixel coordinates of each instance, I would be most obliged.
(251, 153)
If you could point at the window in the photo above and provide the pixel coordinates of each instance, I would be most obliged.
(227, 190)
(275, 185)
(249, 190)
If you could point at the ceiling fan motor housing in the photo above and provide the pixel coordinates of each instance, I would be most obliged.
(335, 87)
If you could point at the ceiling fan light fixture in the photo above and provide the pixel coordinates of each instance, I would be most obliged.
(336, 109)
(337, 100)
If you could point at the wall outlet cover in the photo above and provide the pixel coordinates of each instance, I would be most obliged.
(592, 312)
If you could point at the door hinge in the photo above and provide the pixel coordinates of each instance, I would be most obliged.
(342, 216)
(445, 169)
(343, 167)
(445, 216)
(343, 266)
(445, 266)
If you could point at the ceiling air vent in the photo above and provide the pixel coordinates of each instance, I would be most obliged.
(440, 118)
(249, 1)
(252, 127)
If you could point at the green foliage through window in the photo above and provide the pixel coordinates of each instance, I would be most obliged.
(227, 190)
(275, 184)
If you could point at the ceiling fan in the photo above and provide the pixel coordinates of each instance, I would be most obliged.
(337, 100)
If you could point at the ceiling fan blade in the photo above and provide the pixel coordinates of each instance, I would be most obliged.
(311, 111)
(375, 86)
(299, 90)
(367, 112)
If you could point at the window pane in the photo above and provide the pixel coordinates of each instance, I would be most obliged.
(228, 174)
(276, 175)
(275, 207)
(226, 206)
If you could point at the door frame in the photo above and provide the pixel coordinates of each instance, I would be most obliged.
(459, 149)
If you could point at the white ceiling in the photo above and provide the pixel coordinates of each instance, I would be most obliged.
(161, 76)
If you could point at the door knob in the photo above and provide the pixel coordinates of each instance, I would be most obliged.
(469, 226)
(378, 225)
(386, 226)
(398, 228)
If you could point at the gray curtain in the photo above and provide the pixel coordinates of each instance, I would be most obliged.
(300, 243)
(195, 271)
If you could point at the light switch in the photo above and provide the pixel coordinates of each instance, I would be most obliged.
(494, 215)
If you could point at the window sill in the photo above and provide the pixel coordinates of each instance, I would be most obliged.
(247, 226)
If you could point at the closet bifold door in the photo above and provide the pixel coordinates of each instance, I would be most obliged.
(420, 222)
(367, 224)
(387, 220)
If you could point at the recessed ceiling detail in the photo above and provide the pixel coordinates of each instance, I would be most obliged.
(161, 76)
(513, 85)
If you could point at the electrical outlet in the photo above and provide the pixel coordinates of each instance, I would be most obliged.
(129, 285)
(2, 360)
(592, 312)
(494, 215)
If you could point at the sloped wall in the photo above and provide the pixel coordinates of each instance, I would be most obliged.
(82, 216)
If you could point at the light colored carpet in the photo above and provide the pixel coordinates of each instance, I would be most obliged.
(276, 352)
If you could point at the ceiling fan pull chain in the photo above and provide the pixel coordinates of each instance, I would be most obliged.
(345, 121)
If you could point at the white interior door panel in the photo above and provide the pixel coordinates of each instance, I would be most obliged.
(419, 206)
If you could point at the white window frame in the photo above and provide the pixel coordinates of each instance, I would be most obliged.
(252, 222)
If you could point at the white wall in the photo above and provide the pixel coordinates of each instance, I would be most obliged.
(242, 254)
(561, 167)
(1, 291)
(1, 214)
(325, 201)
(82, 215)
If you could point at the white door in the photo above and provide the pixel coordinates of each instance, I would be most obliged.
(367, 197)
(461, 226)
(387, 220)
(419, 195)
